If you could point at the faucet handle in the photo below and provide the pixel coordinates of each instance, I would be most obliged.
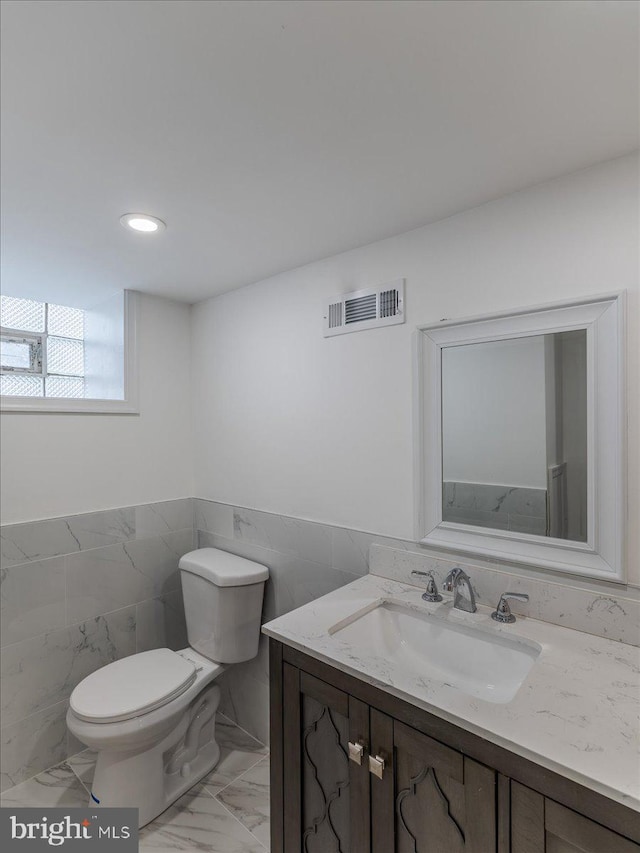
(503, 613)
(431, 593)
(450, 579)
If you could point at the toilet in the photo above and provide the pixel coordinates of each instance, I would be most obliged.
(151, 716)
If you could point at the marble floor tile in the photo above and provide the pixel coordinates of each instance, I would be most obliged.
(58, 787)
(248, 800)
(195, 822)
(238, 753)
(83, 765)
(198, 821)
(230, 735)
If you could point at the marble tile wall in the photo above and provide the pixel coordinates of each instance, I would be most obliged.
(77, 593)
(307, 560)
(501, 507)
(81, 591)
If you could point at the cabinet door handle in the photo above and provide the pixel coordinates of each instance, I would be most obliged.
(376, 765)
(356, 752)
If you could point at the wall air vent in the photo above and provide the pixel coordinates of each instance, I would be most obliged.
(365, 309)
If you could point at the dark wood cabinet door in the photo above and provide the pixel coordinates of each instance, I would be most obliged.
(326, 795)
(433, 799)
(411, 792)
(540, 825)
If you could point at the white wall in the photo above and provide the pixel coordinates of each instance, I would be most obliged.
(59, 464)
(288, 421)
(494, 413)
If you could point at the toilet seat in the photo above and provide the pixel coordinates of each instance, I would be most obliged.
(132, 686)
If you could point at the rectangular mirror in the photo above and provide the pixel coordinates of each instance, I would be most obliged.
(519, 436)
(514, 434)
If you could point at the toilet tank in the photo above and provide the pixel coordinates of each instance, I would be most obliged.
(222, 604)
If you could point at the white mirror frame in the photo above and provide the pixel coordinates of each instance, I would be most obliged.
(602, 555)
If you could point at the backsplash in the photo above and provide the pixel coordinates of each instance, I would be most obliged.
(612, 614)
(77, 593)
(81, 591)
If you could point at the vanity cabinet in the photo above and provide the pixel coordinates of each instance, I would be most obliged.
(540, 825)
(356, 770)
(355, 779)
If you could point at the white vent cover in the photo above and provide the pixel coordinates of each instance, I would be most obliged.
(365, 309)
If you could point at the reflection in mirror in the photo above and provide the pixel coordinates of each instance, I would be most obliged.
(514, 435)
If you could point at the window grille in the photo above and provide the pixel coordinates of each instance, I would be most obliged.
(41, 349)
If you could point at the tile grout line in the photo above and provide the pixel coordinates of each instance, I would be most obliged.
(145, 537)
(46, 769)
(83, 621)
(60, 764)
(237, 779)
(244, 773)
(75, 772)
(237, 820)
(233, 722)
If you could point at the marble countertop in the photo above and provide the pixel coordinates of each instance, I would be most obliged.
(576, 713)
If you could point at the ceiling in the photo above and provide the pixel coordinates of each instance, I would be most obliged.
(270, 134)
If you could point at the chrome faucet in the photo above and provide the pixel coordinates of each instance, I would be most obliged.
(453, 583)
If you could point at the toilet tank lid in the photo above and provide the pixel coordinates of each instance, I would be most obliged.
(223, 569)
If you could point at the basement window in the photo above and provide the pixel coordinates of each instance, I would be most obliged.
(41, 349)
(60, 358)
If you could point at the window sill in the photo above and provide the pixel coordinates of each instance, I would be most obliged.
(58, 405)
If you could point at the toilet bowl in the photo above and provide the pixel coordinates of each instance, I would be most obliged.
(151, 716)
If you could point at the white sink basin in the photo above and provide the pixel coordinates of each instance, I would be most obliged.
(415, 644)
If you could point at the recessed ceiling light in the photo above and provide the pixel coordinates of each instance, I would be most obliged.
(142, 222)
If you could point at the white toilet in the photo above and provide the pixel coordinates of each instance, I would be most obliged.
(151, 716)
